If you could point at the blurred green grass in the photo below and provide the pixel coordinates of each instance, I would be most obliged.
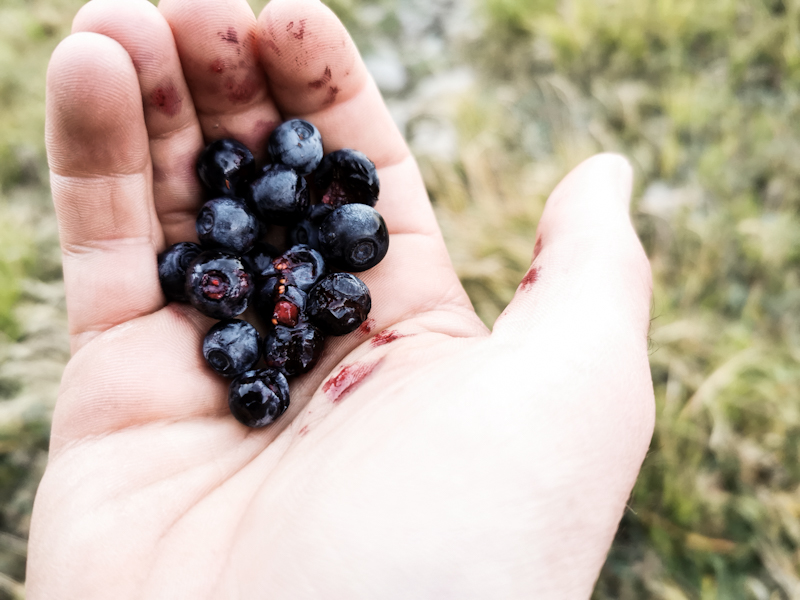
(704, 98)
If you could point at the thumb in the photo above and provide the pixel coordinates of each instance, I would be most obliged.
(589, 271)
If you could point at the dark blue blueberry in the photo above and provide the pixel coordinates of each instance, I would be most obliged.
(346, 176)
(279, 195)
(256, 398)
(339, 303)
(231, 347)
(300, 266)
(353, 238)
(306, 233)
(317, 213)
(226, 167)
(296, 144)
(218, 285)
(227, 223)
(293, 350)
(259, 259)
(172, 265)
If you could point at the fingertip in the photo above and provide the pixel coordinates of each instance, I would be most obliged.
(93, 106)
(311, 61)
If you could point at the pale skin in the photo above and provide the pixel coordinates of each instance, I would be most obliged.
(465, 464)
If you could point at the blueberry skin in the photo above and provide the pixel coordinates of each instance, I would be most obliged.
(339, 303)
(300, 267)
(226, 167)
(259, 259)
(232, 347)
(172, 265)
(293, 350)
(218, 285)
(317, 213)
(258, 397)
(354, 238)
(296, 144)
(280, 196)
(346, 176)
(306, 233)
(227, 223)
(284, 304)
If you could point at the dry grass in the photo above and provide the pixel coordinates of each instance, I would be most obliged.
(703, 97)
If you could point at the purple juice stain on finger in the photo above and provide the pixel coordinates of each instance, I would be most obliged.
(333, 91)
(230, 36)
(531, 277)
(240, 93)
(300, 32)
(165, 99)
(348, 379)
(322, 81)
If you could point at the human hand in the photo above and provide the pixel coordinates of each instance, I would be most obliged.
(424, 459)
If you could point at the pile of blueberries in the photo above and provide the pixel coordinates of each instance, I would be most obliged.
(300, 295)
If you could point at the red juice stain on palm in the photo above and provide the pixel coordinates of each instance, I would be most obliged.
(367, 326)
(165, 99)
(303, 430)
(386, 337)
(531, 277)
(346, 380)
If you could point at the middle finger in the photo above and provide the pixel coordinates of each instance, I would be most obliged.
(217, 46)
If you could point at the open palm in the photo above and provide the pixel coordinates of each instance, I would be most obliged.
(423, 457)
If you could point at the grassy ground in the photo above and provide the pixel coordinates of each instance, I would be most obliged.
(704, 97)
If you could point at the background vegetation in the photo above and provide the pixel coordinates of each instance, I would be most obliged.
(499, 99)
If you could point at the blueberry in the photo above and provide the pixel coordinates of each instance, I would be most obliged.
(172, 264)
(317, 213)
(306, 233)
(231, 347)
(227, 223)
(218, 285)
(353, 238)
(226, 167)
(293, 350)
(296, 144)
(259, 259)
(339, 303)
(256, 398)
(301, 266)
(280, 196)
(347, 176)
